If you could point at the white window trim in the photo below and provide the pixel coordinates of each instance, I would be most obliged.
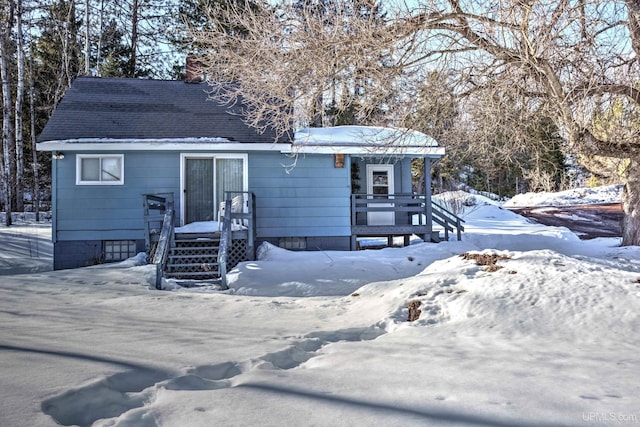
(212, 156)
(79, 158)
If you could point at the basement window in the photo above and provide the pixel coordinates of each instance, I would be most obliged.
(293, 243)
(119, 250)
(100, 169)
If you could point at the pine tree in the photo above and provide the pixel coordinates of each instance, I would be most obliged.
(57, 52)
(113, 58)
(192, 16)
(339, 104)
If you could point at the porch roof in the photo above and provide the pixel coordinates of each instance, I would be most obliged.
(366, 140)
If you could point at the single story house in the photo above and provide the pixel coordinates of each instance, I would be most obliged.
(114, 140)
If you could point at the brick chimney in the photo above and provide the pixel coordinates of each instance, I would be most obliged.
(193, 70)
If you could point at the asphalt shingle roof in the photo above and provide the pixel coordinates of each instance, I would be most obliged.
(120, 108)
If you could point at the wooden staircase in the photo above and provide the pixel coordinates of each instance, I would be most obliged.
(194, 257)
(197, 257)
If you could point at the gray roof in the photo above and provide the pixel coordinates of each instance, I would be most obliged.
(119, 108)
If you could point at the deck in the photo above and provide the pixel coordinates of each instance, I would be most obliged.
(405, 214)
(206, 251)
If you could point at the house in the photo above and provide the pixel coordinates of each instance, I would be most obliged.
(114, 140)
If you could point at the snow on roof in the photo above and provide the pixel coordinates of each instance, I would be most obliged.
(360, 139)
(202, 140)
(147, 144)
(363, 135)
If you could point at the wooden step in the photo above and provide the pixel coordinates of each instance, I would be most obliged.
(192, 275)
(188, 252)
(194, 256)
(200, 246)
(196, 243)
(196, 237)
(186, 259)
(199, 282)
(195, 265)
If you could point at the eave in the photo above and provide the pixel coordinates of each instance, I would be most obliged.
(221, 145)
(173, 144)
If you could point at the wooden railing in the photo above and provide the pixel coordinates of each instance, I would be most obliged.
(247, 218)
(225, 244)
(159, 210)
(447, 219)
(410, 215)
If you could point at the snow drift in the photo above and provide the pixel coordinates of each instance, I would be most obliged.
(545, 336)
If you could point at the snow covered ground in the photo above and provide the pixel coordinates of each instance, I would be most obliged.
(576, 196)
(26, 246)
(322, 338)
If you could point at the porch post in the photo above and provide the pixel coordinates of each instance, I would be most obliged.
(406, 189)
(427, 198)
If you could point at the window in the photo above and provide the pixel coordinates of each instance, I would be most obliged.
(119, 250)
(205, 179)
(100, 169)
(293, 243)
(229, 177)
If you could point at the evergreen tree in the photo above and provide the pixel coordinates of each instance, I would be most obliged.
(57, 52)
(193, 16)
(113, 55)
(145, 27)
(348, 91)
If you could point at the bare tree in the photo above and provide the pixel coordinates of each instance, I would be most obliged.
(145, 26)
(34, 151)
(19, 148)
(6, 30)
(87, 39)
(566, 60)
(283, 59)
(133, 54)
(68, 41)
(572, 58)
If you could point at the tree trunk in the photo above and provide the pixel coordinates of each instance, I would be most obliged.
(134, 39)
(34, 151)
(100, 31)
(7, 116)
(67, 40)
(631, 206)
(19, 180)
(87, 44)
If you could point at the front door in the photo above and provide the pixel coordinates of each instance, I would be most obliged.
(205, 179)
(198, 191)
(380, 186)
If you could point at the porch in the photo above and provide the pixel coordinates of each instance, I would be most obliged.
(206, 251)
(392, 215)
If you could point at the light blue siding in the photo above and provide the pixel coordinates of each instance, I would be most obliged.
(309, 200)
(105, 212)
